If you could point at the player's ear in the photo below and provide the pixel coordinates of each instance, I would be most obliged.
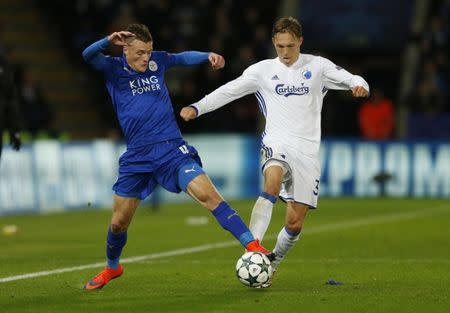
(300, 41)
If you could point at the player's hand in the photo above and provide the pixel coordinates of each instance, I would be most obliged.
(188, 113)
(217, 61)
(360, 92)
(14, 140)
(120, 38)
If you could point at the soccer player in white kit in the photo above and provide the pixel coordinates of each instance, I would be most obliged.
(290, 89)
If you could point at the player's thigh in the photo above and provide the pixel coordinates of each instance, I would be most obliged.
(178, 167)
(295, 215)
(275, 167)
(273, 176)
(203, 191)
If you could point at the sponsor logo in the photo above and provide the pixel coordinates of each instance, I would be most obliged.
(275, 77)
(152, 66)
(190, 170)
(290, 90)
(144, 84)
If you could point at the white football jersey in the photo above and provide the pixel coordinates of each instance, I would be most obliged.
(290, 97)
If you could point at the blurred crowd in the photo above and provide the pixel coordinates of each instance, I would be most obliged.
(24, 105)
(238, 30)
(429, 101)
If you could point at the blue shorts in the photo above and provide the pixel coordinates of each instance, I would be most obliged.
(142, 169)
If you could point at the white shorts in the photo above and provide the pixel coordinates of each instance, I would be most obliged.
(301, 173)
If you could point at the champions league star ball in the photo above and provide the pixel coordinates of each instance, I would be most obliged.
(253, 269)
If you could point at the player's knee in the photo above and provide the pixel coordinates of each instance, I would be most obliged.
(294, 221)
(294, 228)
(119, 225)
(209, 200)
(116, 228)
(272, 190)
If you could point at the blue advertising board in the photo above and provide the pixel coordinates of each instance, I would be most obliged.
(49, 176)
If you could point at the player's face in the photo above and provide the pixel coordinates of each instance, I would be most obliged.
(138, 53)
(287, 46)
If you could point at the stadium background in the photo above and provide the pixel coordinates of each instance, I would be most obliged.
(73, 140)
(387, 243)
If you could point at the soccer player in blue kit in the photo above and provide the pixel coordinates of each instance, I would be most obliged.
(156, 152)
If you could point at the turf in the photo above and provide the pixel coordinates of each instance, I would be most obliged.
(392, 255)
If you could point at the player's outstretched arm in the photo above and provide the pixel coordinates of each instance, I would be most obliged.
(197, 57)
(245, 84)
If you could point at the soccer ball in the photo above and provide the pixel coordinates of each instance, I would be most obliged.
(253, 269)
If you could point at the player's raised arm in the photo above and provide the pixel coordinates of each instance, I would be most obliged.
(120, 38)
(94, 53)
(335, 77)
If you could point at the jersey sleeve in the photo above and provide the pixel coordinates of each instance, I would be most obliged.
(335, 77)
(243, 85)
(186, 58)
(94, 54)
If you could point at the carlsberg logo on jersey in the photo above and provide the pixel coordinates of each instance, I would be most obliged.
(140, 85)
(290, 90)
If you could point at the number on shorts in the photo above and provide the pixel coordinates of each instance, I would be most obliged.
(184, 149)
(316, 189)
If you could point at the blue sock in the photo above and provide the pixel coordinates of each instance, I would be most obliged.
(290, 233)
(268, 196)
(231, 221)
(114, 245)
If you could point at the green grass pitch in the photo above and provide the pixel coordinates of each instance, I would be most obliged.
(392, 255)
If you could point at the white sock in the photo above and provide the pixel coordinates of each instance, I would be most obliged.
(260, 219)
(285, 242)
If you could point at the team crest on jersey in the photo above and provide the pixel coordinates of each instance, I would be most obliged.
(307, 74)
(152, 66)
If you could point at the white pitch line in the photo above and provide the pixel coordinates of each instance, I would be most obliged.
(312, 230)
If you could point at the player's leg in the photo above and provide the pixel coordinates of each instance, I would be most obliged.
(274, 171)
(123, 212)
(288, 236)
(197, 184)
(290, 233)
(129, 189)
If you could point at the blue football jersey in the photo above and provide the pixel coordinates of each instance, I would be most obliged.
(141, 100)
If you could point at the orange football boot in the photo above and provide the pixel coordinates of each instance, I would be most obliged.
(104, 277)
(255, 246)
